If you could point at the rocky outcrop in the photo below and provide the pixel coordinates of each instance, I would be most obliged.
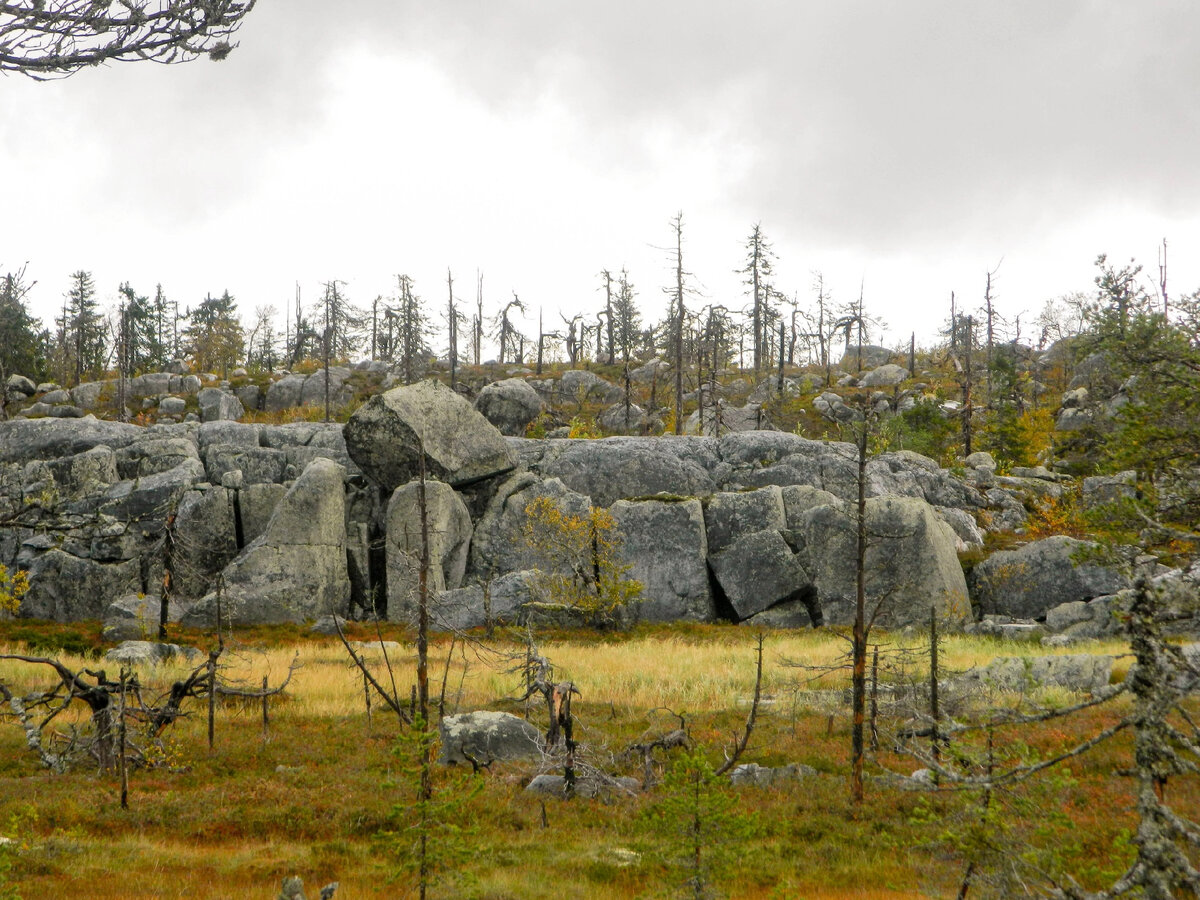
(449, 536)
(388, 434)
(296, 569)
(911, 563)
(664, 544)
(1030, 581)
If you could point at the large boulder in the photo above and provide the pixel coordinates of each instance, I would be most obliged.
(1031, 580)
(758, 571)
(664, 544)
(581, 386)
(386, 435)
(486, 737)
(865, 356)
(284, 393)
(69, 588)
(449, 535)
(22, 440)
(499, 545)
(296, 569)
(217, 405)
(911, 563)
(1081, 672)
(205, 540)
(887, 375)
(729, 515)
(510, 405)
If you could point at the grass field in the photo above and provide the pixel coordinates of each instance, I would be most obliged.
(326, 795)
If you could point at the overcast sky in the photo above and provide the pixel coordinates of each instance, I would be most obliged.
(907, 147)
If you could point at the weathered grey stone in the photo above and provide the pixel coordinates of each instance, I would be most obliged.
(800, 498)
(617, 418)
(753, 775)
(865, 356)
(258, 465)
(134, 617)
(84, 473)
(1063, 616)
(66, 412)
(980, 459)
(150, 384)
(205, 540)
(68, 588)
(1101, 489)
(217, 405)
(296, 569)
(588, 785)
(256, 504)
(22, 440)
(328, 625)
(729, 516)
(313, 391)
(581, 385)
(449, 537)
(188, 384)
(148, 653)
(21, 383)
(758, 570)
(1033, 579)
(385, 435)
(284, 393)
(154, 455)
(250, 395)
(510, 405)
(1084, 673)
(796, 612)
(227, 434)
(499, 544)
(620, 468)
(87, 395)
(56, 396)
(724, 418)
(887, 375)
(664, 544)
(488, 737)
(911, 563)
(654, 369)
(146, 500)
(172, 406)
(964, 525)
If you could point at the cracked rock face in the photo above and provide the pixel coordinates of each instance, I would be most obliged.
(296, 569)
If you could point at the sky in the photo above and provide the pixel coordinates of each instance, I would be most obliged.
(900, 149)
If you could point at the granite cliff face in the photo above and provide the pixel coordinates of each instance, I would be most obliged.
(262, 523)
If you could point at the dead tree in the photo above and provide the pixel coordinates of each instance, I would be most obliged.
(58, 38)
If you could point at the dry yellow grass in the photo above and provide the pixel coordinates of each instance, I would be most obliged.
(689, 673)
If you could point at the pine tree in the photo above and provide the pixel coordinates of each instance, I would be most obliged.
(80, 331)
(23, 341)
(758, 271)
(214, 336)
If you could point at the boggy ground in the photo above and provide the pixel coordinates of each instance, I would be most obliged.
(327, 795)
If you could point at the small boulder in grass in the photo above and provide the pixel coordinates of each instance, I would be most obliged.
(293, 889)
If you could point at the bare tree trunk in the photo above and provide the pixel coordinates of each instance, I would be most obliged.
(679, 313)
(859, 635)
